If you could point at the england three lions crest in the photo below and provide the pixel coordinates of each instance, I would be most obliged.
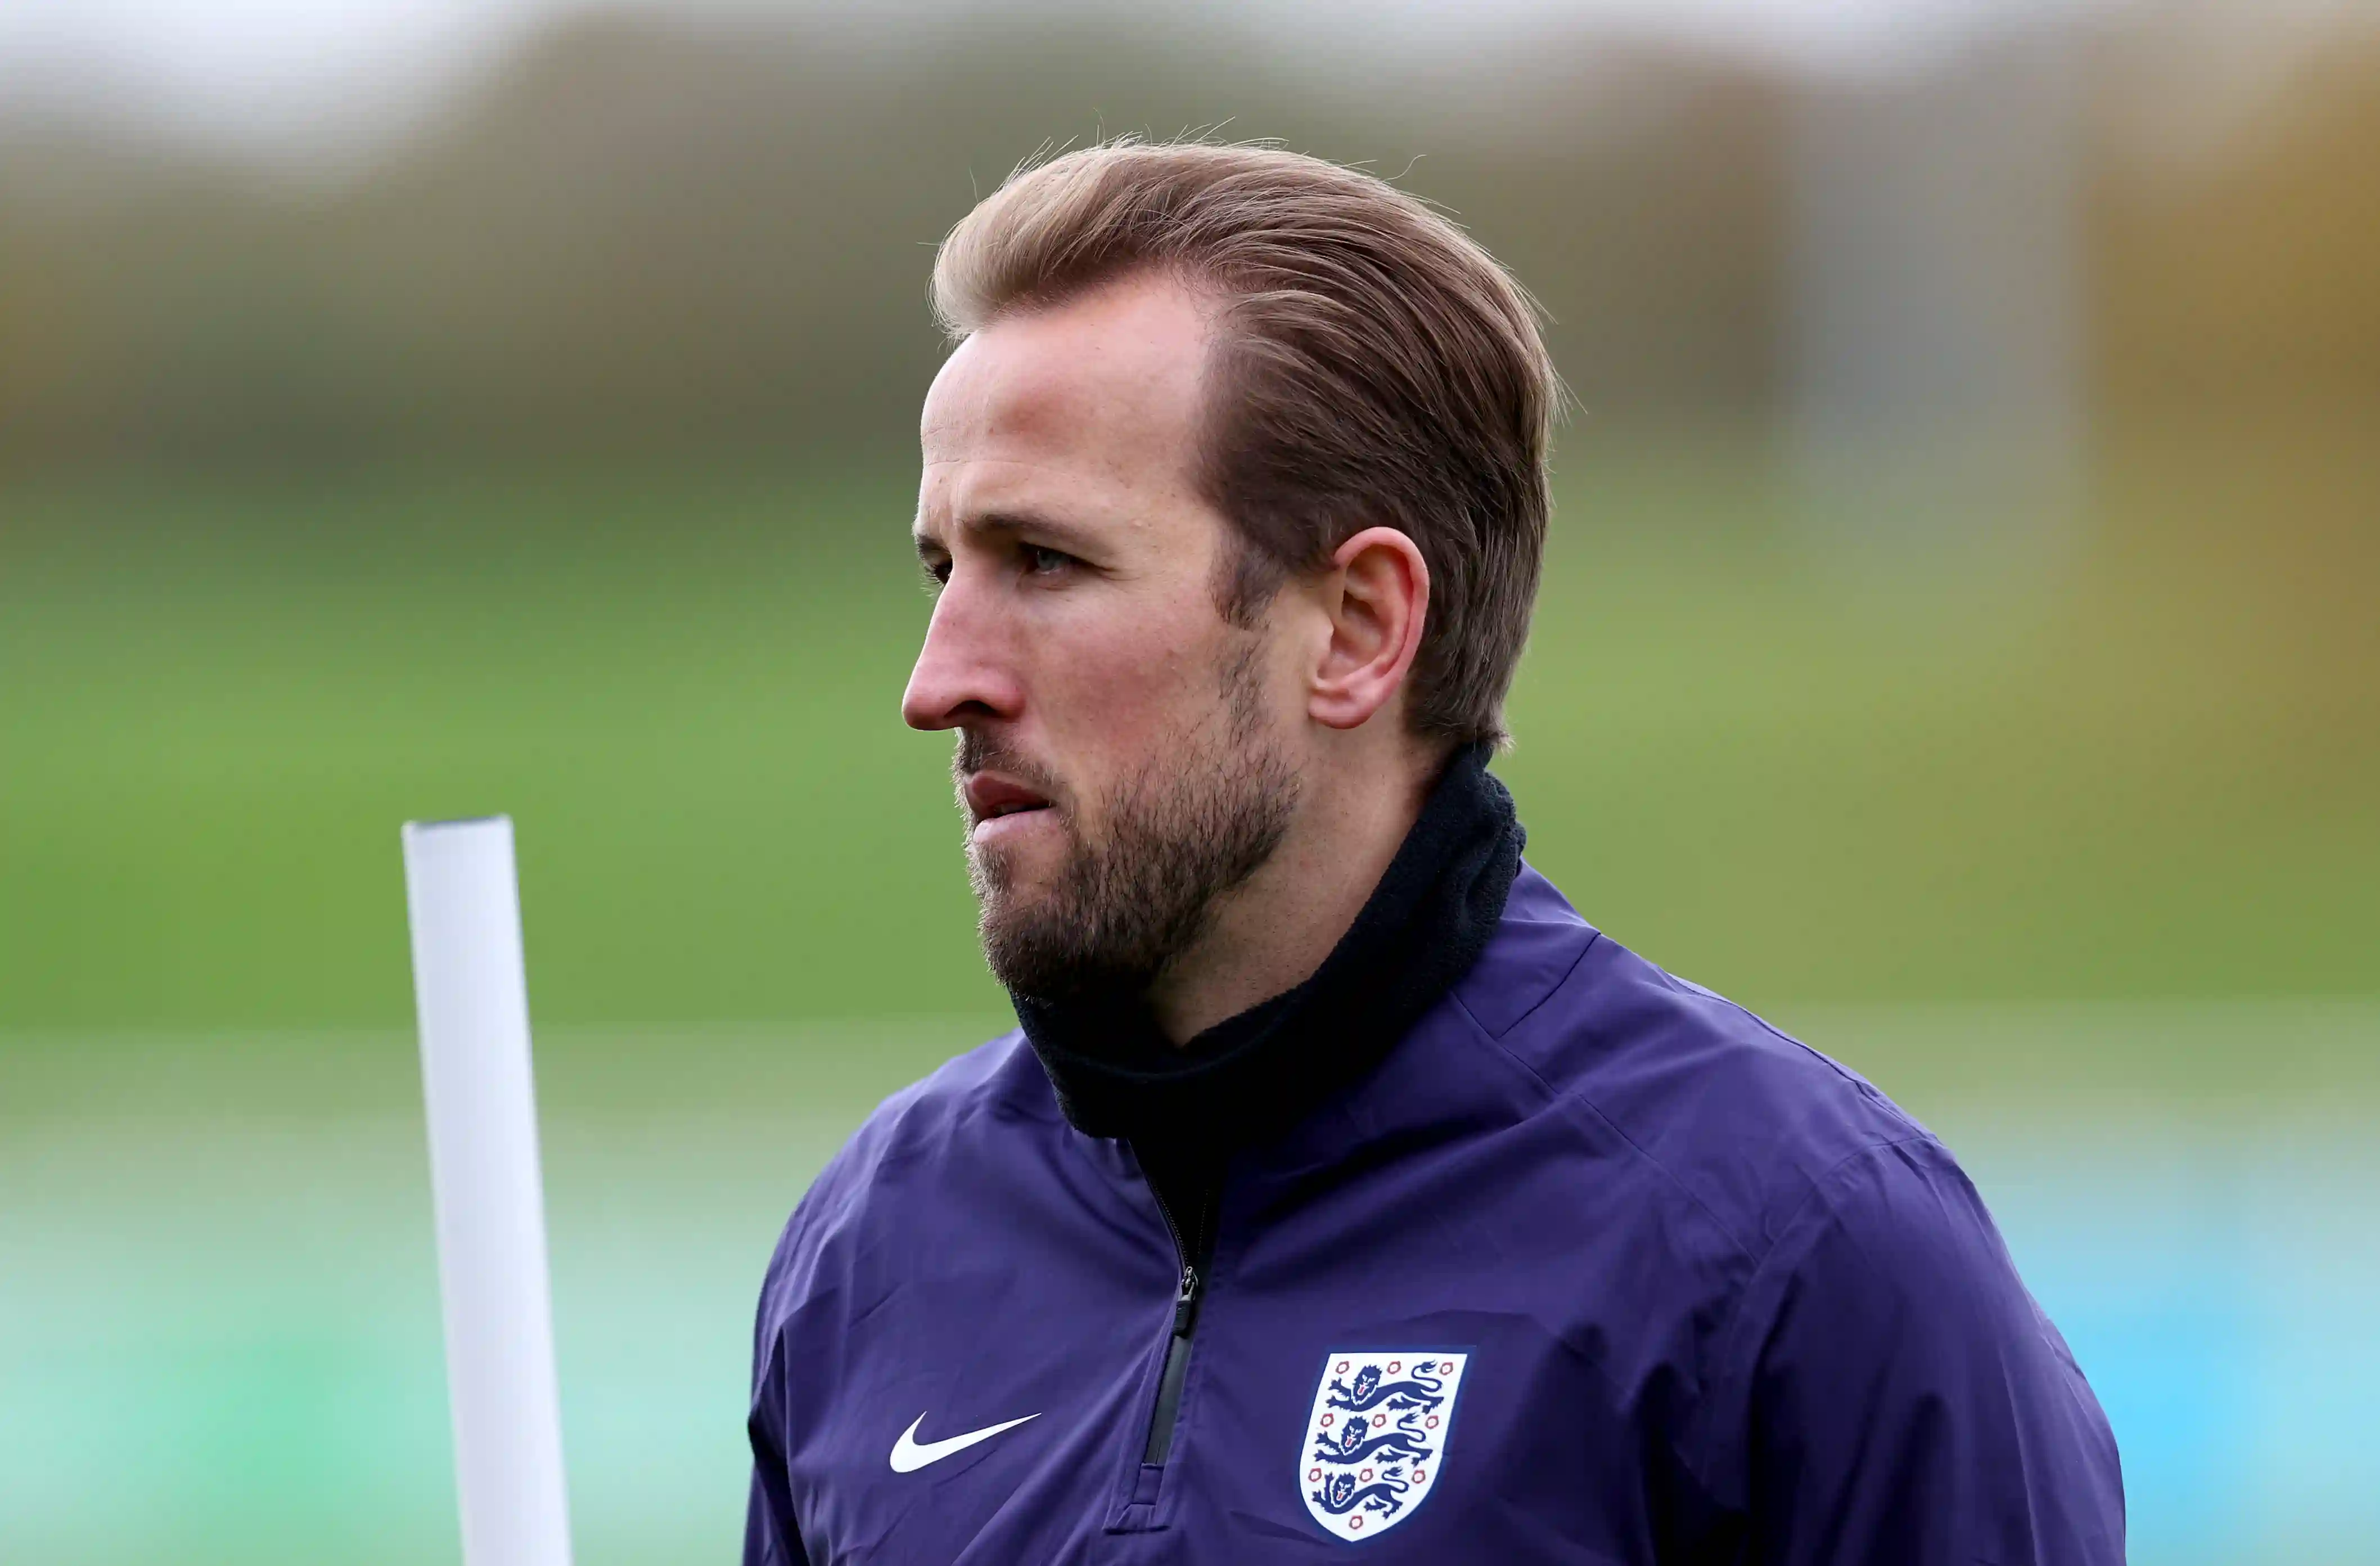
(1375, 1437)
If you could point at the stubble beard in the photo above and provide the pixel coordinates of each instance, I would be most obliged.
(1190, 826)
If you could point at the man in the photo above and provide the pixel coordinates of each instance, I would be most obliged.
(1343, 1186)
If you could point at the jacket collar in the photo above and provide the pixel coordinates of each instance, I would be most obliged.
(1453, 1075)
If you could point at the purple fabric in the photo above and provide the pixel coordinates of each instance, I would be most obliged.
(1719, 1300)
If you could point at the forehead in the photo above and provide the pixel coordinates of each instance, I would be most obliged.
(1092, 404)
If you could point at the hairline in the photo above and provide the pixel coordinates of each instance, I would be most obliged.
(1247, 576)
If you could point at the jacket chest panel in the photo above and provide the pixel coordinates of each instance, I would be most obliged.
(896, 1463)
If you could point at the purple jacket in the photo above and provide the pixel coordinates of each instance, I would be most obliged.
(1595, 1267)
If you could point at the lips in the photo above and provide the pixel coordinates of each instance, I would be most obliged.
(991, 795)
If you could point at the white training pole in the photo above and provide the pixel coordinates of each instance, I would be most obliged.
(471, 994)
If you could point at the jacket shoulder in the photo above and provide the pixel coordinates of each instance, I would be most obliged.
(1739, 1117)
(913, 1134)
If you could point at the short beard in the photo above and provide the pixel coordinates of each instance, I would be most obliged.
(1189, 828)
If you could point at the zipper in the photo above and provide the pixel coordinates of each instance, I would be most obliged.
(1189, 1291)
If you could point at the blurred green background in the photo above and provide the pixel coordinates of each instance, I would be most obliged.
(534, 437)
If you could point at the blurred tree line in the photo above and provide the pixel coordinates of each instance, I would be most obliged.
(632, 236)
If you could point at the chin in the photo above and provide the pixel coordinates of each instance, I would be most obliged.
(1011, 876)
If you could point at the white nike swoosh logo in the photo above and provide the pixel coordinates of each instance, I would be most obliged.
(909, 1454)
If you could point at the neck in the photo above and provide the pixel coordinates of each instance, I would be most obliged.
(1272, 933)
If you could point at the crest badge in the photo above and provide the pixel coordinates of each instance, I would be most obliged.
(1375, 1437)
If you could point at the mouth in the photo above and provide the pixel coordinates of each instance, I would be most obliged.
(994, 796)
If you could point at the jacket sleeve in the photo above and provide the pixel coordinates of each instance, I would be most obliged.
(1908, 1402)
(771, 1537)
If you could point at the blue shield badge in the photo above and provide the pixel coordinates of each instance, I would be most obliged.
(1376, 1436)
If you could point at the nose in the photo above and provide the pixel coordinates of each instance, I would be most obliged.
(963, 673)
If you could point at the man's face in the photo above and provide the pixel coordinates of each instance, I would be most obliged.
(1122, 759)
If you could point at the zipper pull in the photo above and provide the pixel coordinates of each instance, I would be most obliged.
(1185, 1302)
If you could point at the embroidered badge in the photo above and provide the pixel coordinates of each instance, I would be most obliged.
(1375, 1437)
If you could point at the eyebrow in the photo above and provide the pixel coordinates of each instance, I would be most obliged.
(1068, 536)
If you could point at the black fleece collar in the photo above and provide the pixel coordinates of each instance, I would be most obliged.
(1251, 1078)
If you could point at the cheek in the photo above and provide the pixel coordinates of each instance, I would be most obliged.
(1115, 685)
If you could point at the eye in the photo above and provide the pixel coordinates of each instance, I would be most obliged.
(1042, 561)
(937, 571)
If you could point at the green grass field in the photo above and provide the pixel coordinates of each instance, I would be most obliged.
(2113, 770)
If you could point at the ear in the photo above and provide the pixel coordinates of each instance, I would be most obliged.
(1375, 596)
